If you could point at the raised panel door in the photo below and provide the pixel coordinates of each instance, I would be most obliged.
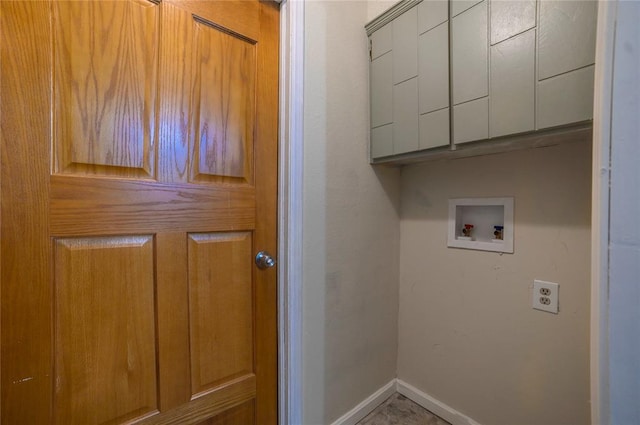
(139, 181)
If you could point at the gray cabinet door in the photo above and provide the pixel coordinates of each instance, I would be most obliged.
(382, 41)
(381, 90)
(433, 70)
(512, 99)
(567, 36)
(432, 13)
(434, 129)
(459, 6)
(565, 99)
(405, 46)
(471, 121)
(511, 17)
(382, 141)
(469, 54)
(405, 114)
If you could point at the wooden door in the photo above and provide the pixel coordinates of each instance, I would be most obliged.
(138, 181)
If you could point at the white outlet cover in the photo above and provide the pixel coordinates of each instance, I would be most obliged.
(545, 296)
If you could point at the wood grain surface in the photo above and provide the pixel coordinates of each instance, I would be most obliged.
(138, 179)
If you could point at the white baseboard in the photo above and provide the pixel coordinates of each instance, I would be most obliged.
(433, 405)
(356, 414)
(436, 407)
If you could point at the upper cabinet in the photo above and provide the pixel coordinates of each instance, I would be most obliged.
(566, 58)
(447, 73)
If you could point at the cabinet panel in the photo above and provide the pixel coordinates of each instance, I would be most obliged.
(469, 54)
(405, 46)
(382, 141)
(381, 90)
(405, 112)
(434, 129)
(567, 36)
(471, 121)
(382, 41)
(509, 18)
(512, 97)
(433, 59)
(565, 99)
(432, 13)
(459, 6)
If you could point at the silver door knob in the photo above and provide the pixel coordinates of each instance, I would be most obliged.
(264, 260)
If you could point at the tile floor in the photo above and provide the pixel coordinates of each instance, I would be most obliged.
(399, 410)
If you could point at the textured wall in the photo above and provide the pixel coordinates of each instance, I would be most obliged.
(351, 222)
(468, 334)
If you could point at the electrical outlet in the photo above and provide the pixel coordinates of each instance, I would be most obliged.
(545, 296)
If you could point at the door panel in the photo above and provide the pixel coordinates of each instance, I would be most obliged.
(104, 327)
(224, 104)
(105, 87)
(135, 195)
(221, 308)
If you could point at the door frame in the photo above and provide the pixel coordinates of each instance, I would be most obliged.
(600, 203)
(290, 179)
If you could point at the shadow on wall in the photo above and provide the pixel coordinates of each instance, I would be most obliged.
(389, 178)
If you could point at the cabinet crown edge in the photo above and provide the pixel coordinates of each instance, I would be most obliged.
(388, 16)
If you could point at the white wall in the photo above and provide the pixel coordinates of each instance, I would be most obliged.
(468, 334)
(351, 223)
